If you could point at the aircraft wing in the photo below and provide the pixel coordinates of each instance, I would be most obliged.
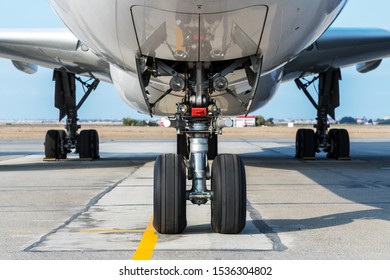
(53, 49)
(338, 47)
(342, 47)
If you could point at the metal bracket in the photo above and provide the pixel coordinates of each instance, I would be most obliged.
(304, 87)
(90, 89)
(141, 67)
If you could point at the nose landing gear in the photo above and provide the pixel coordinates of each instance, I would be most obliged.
(228, 183)
(198, 122)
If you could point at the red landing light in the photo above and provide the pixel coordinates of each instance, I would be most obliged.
(199, 112)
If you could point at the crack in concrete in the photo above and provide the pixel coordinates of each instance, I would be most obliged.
(264, 228)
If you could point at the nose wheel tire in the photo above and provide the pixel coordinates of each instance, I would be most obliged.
(169, 194)
(228, 184)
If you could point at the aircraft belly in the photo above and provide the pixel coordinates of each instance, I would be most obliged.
(129, 88)
(183, 30)
(120, 30)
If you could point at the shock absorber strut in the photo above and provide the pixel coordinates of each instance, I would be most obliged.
(198, 164)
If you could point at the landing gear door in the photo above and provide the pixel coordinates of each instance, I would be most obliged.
(199, 37)
(231, 35)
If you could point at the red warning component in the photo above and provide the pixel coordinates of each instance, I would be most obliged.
(199, 112)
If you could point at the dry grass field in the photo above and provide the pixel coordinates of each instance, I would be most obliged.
(38, 131)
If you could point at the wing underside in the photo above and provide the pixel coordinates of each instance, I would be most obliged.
(338, 48)
(341, 47)
(53, 49)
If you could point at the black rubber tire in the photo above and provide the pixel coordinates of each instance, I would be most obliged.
(228, 184)
(88, 145)
(182, 146)
(169, 195)
(341, 144)
(213, 147)
(305, 144)
(63, 154)
(53, 144)
(331, 140)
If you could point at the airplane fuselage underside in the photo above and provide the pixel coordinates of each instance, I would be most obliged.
(273, 31)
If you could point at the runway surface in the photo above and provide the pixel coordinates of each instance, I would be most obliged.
(322, 209)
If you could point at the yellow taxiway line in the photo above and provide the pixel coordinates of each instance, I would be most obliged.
(148, 242)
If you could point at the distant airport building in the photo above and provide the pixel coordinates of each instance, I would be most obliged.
(242, 121)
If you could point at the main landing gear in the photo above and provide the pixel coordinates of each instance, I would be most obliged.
(335, 142)
(59, 143)
(198, 122)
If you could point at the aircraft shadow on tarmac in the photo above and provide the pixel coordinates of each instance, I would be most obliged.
(364, 180)
(108, 160)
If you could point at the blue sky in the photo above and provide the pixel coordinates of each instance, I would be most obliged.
(31, 96)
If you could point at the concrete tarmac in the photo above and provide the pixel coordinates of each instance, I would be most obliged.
(71, 209)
